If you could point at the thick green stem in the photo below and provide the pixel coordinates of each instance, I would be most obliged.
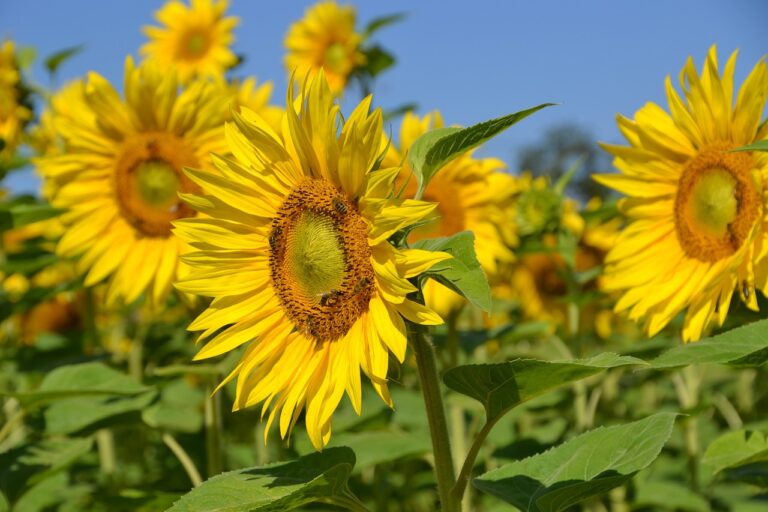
(213, 432)
(438, 426)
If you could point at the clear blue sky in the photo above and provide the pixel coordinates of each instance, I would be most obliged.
(472, 60)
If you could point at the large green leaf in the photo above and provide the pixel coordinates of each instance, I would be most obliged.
(584, 467)
(91, 378)
(744, 346)
(502, 386)
(70, 415)
(54, 455)
(736, 448)
(276, 487)
(430, 152)
(462, 273)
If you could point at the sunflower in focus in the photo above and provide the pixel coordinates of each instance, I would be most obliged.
(305, 275)
(697, 228)
(471, 195)
(120, 175)
(14, 114)
(194, 39)
(325, 39)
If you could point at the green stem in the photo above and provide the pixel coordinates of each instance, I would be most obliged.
(438, 426)
(91, 337)
(105, 441)
(457, 492)
(184, 458)
(213, 432)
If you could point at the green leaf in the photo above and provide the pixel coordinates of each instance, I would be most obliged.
(56, 453)
(430, 152)
(736, 448)
(378, 23)
(53, 61)
(761, 145)
(582, 468)
(70, 415)
(23, 214)
(502, 386)
(377, 60)
(668, 495)
(744, 346)
(462, 273)
(281, 486)
(81, 379)
(374, 447)
(25, 56)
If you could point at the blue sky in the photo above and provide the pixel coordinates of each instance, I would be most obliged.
(471, 60)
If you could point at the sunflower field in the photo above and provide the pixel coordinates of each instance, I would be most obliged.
(228, 297)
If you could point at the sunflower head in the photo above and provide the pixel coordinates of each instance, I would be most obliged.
(119, 173)
(696, 208)
(305, 275)
(194, 39)
(472, 194)
(325, 39)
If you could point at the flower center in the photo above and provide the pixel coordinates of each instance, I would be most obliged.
(148, 179)
(336, 58)
(320, 261)
(193, 45)
(717, 203)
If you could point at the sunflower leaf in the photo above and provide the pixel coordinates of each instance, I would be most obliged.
(584, 467)
(745, 346)
(55, 60)
(79, 380)
(430, 152)
(280, 486)
(382, 21)
(736, 449)
(761, 145)
(502, 386)
(23, 214)
(462, 273)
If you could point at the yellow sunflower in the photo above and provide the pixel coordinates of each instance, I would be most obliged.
(304, 274)
(195, 39)
(13, 114)
(697, 226)
(471, 194)
(325, 39)
(121, 172)
(253, 96)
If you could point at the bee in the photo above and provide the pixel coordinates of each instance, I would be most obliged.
(309, 327)
(361, 285)
(339, 206)
(330, 298)
(273, 238)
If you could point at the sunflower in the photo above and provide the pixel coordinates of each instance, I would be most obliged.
(253, 96)
(325, 39)
(121, 172)
(304, 274)
(195, 39)
(14, 115)
(471, 194)
(697, 228)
